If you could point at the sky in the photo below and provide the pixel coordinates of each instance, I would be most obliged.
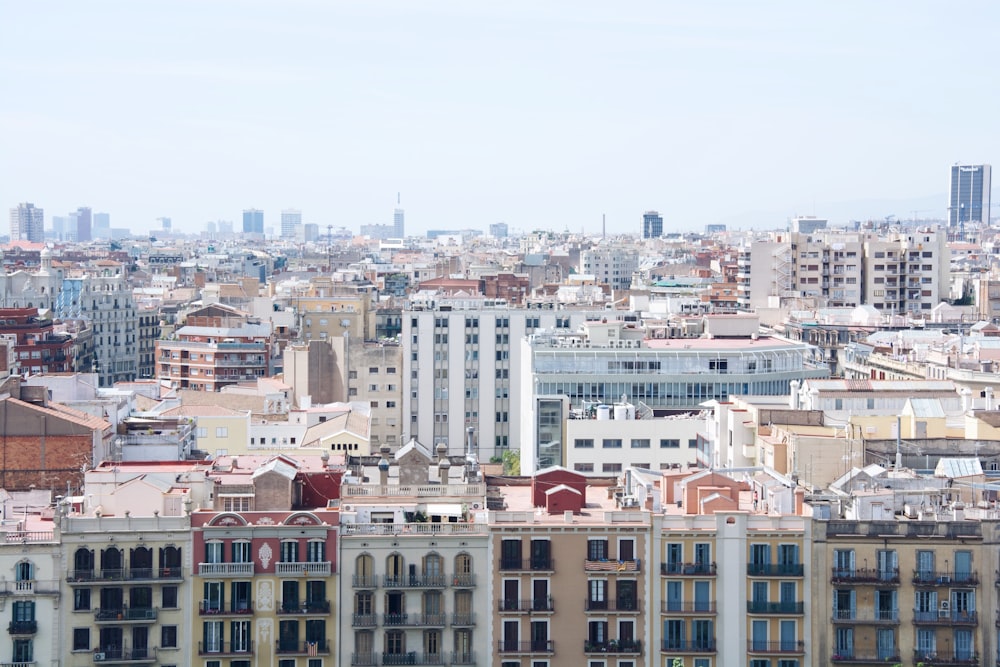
(541, 115)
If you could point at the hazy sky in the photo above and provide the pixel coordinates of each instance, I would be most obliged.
(539, 114)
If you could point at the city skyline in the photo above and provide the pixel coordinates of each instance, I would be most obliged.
(538, 117)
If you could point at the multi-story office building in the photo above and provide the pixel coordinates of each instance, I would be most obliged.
(27, 223)
(398, 226)
(969, 194)
(499, 230)
(652, 225)
(84, 221)
(610, 265)
(208, 358)
(611, 361)
(253, 221)
(462, 359)
(291, 223)
(417, 551)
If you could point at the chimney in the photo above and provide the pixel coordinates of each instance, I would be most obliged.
(383, 466)
(793, 396)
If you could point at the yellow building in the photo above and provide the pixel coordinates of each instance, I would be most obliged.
(900, 591)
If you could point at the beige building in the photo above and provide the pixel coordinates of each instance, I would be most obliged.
(909, 592)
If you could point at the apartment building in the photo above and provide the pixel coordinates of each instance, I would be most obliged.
(416, 547)
(907, 271)
(610, 265)
(571, 586)
(910, 592)
(219, 346)
(461, 362)
(266, 566)
(733, 585)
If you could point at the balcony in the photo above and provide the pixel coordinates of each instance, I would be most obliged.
(413, 658)
(125, 615)
(153, 574)
(316, 569)
(22, 627)
(932, 578)
(537, 605)
(463, 619)
(306, 607)
(30, 587)
(935, 659)
(688, 646)
(463, 658)
(508, 646)
(688, 569)
(945, 617)
(759, 607)
(862, 577)
(414, 581)
(314, 647)
(779, 647)
(625, 606)
(853, 615)
(531, 565)
(854, 658)
(363, 659)
(133, 655)
(364, 620)
(216, 608)
(623, 646)
(775, 569)
(225, 569)
(674, 607)
(463, 580)
(225, 648)
(612, 565)
(364, 581)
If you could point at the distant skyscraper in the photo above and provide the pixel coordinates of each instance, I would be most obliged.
(499, 230)
(102, 226)
(969, 199)
(807, 224)
(83, 224)
(253, 221)
(398, 231)
(225, 227)
(652, 225)
(165, 223)
(60, 226)
(27, 223)
(291, 220)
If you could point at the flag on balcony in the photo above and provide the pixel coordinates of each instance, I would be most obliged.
(313, 649)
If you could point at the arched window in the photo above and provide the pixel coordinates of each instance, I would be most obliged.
(463, 564)
(395, 569)
(83, 564)
(170, 562)
(141, 563)
(433, 570)
(112, 563)
(364, 571)
(24, 571)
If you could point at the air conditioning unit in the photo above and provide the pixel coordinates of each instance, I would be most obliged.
(945, 605)
(942, 613)
(98, 657)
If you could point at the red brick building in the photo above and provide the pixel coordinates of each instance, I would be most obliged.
(37, 347)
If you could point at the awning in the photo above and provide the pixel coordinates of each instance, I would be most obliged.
(444, 509)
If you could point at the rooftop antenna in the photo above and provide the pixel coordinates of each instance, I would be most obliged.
(604, 226)
(397, 199)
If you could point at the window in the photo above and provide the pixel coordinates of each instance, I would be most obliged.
(640, 443)
(583, 443)
(390, 404)
(168, 636)
(583, 467)
(692, 443)
(81, 639)
(374, 404)
(81, 599)
(169, 600)
(612, 443)
(611, 467)
(670, 443)
(373, 370)
(222, 432)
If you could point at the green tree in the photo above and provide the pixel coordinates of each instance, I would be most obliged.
(511, 462)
